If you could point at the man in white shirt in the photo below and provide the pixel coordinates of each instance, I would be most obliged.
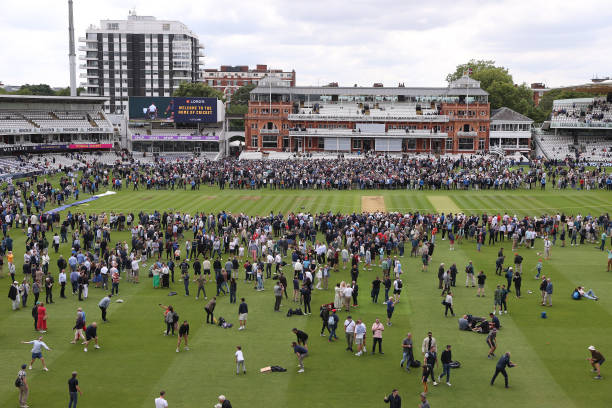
(360, 331)
(161, 402)
(37, 346)
(135, 268)
(62, 281)
(348, 294)
(349, 332)
(104, 274)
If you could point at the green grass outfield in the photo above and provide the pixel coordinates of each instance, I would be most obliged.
(136, 360)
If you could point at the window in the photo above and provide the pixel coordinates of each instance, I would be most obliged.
(466, 143)
(166, 27)
(112, 26)
(483, 128)
(356, 143)
(449, 144)
(285, 142)
(411, 144)
(254, 141)
(483, 113)
(481, 144)
(321, 144)
(270, 142)
(253, 125)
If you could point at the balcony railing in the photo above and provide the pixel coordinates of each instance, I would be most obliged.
(467, 134)
(571, 124)
(400, 133)
(372, 117)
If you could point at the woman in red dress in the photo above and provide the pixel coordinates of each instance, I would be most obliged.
(42, 318)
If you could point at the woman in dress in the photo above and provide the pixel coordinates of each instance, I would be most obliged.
(338, 296)
(42, 318)
(155, 271)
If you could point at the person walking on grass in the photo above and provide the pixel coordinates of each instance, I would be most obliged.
(103, 305)
(446, 358)
(480, 280)
(596, 360)
(79, 326)
(243, 311)
(377, 329)
(74, 390)
(407, 356)
(278, 295)
(393, 399)
(424, 376)
(491, 342)
(239, 360)
(349, 332)
(431, 358)
(548, 292)
(41, 326)
(360, 332)
(22, 384)
(37, 346)
(91, 333)
(448, 304)
(301, 352)
(332, 325)
(201, 280)
(503, 362)
(469, 274)
(210, 310)
(390, 310)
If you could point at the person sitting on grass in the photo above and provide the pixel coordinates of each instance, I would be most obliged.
(579, 293)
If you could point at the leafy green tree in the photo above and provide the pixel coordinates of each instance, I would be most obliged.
(190, 89)
(242, 95)
(66, 91)
(498, 82)
(40, 89)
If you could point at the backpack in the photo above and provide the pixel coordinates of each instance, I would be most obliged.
(400, 284)
(18, 382)
(220, 321)
(454, 364)
(331, 321)
(415, 363)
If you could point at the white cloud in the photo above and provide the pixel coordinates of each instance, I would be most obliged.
(348, 42)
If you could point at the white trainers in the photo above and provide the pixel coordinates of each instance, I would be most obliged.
(96, 346)
(449, 384)
(45, 368)
(187, 348)
(177, 350)
(85, 349)
(435, 383)
(29, 367)
(301, 370)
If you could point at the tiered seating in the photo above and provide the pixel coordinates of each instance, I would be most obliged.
(598, 148)
(10, 119)
(581, 112)
(555, 147)
(383, 109)
(10, 166)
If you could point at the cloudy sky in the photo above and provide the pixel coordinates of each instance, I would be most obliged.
(415, 42)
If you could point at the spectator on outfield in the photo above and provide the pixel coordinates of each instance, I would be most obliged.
(596, 360)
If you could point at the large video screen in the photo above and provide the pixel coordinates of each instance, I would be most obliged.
(175, 109)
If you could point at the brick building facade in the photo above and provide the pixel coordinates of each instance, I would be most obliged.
(453, 119)
(228, 79)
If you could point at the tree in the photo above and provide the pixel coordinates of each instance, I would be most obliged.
(66, 91)
(40, 89)
(239, 105)
(498, 82)
(242, 95)
(191, 89)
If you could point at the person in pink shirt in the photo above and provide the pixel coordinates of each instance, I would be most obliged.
(377, 329)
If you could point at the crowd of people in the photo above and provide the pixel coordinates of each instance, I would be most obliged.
(298, 251)
(474, 172)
